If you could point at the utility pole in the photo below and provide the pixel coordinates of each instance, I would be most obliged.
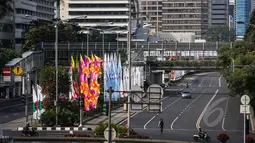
(129, 63)
(56, 65)
(25, 93)
(110, 91)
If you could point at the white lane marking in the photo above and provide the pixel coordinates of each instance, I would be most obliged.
(220, 81)
(186, 108)
(15, 114)
(211, 82)
(202, 114)
(202, 81)
(158, 114)
(148, 122)
(252, 125)
(6, 116)
(223, 120)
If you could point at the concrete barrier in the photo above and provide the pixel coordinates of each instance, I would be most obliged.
(92, 139)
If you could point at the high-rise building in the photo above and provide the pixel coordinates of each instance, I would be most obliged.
(151, 13)
(7, 33)
(242, 13)
(218, 13)
(178, 16)
(99, 13)
(28, 10)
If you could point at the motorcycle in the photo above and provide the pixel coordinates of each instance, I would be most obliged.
(205, 137)
(31, 133)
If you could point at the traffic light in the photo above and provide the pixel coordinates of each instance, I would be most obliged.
(105, 110)
(82, 102)
(247, 127)
(23, 98)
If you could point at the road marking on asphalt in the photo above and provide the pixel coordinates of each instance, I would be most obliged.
(158, 114)
(223, 120)
(126, 118)
(6, 116)
(15, 114)
(202, 81)
(207, 105)
(148, 122)
(211, 82)
(220, 81)
(186, 108)
(252, 125)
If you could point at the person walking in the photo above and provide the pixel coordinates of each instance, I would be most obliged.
(161, 125)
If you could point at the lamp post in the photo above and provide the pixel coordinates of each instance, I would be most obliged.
(56, 59)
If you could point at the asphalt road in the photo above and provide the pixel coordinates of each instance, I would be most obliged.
(13, 111)
(210, 108)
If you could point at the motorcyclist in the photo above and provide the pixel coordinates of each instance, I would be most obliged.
(200, 132)
(26, 130)
(187, 84)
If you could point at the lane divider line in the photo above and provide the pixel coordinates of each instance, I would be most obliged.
(148, 122)
(186, 108)
(203, 112)
(224, 116)
(220, 81)
(202, 81)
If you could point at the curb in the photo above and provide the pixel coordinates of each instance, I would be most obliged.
(93, 139)
(58, 129)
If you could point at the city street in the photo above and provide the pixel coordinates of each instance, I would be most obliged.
(210, 108)
(13, 112)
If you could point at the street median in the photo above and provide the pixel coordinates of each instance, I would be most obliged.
(93, 140)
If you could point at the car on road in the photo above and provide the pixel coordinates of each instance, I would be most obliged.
(186, 93)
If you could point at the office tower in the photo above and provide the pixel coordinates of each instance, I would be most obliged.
(28, 10)
(242, 13)
(151, 13)
(99, 13)
(218, 12)
(185, 16)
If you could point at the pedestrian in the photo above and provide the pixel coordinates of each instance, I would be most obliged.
(161, 125)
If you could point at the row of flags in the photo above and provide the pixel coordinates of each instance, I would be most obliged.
(88, 70)
(113, 76)
(37, 102)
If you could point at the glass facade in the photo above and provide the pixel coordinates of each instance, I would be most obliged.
(243, 9)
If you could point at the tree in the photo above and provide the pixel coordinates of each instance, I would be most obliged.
(6, 55)
(47, 80)
(5, 8)
(220, 34)
(46, 33)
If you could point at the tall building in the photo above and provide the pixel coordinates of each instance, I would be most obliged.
(218, 13)
(151, 13)
(242, 13)
(176, 16)
(7, 33)
(185, 16)
(99, 13)
(28, 10)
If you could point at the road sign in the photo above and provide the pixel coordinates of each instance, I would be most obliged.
(18, 71)
(247, 110)
(245, 99)
(106, 134)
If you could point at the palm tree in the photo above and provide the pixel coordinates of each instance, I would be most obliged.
(5, 8)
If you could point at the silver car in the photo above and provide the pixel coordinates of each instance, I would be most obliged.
(186, 94)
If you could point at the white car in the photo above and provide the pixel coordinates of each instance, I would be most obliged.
(186, 94)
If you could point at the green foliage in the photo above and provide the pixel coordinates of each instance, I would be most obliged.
(7, 55)
(249, 35)
(5, 8)
(46, 33)
(99, 130)
(47, 80)
(220, 34)
(183, 63)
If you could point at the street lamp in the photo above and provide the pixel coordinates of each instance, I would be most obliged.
(56, 60)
